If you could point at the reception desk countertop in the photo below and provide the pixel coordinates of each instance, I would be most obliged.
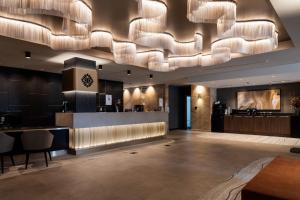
(88, 120)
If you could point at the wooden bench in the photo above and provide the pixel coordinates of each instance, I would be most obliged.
(279, 180)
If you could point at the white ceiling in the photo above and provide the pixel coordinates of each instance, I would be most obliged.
(255, 80)
(258, 69)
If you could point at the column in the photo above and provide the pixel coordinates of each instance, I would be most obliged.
(80, 85)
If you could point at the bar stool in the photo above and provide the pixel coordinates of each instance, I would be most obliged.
(6, 147)
(37, 141)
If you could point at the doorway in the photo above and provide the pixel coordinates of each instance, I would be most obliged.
(180, 107)
(188, 112)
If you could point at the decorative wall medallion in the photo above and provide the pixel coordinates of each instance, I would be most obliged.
(87, 80)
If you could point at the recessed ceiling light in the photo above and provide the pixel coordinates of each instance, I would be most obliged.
(27, 54)
(273, 76)
(128, 72)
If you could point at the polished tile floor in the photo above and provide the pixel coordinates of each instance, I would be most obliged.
(184, 166)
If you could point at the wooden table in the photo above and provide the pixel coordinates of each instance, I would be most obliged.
(279, 180)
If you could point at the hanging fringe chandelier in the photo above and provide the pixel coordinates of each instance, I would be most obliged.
(148, 31)
(75, 28)
(242, 46)
(222, 13)
(248, 37)
(251, 30)
(218, 56)
(25, 20)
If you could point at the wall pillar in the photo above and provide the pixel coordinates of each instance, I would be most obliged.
(202, 100)
(80, 85)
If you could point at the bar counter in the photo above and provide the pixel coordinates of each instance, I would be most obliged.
(96, 130)
(259, 125)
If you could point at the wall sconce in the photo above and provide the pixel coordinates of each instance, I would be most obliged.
(200, 100)
(196, 107)
(200, 89)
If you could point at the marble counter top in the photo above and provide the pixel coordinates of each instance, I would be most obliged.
(87, 120)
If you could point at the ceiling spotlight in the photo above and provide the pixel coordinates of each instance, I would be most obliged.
(151, 76)
(27, 54)
(100, 67)
(128, 72)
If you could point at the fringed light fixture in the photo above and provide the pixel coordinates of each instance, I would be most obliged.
(153, 60)
(240, 45)
(148, 31)
(25, 31)
(156, 62)
(41, 35)
(101, 38)
(184, 61)
(124, 52)
(222, 13)
(218, 56)
(252, 30)
(66, 42)
(153, 17)
(76, 11)
(25, 20)
(249, 37)
(76, 22)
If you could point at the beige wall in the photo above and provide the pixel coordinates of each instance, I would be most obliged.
(79, 73)
(145, 95)
(202, 99)
(72, 79)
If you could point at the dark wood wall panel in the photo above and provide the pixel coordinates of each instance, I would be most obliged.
(86, 102)
(113, 88)
(259, 125)
(228, 95)
(35, 96)
(3, 100)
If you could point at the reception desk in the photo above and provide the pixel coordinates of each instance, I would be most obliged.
(259, 125)
(97, 130)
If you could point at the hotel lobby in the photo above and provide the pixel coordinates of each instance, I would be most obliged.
(150, 99)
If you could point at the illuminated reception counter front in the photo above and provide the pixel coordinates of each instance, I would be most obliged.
(93, 130)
